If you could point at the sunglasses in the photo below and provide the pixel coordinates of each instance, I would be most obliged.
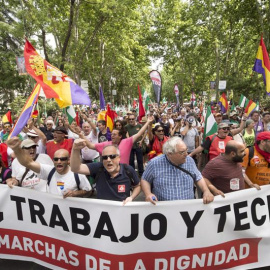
(160, 130)
(109, 156)
(30, 147)
(130, 119)
(6, 126)
(61, 158)
(32, 137)
(226, 128)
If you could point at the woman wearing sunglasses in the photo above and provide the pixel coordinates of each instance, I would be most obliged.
(157, 139)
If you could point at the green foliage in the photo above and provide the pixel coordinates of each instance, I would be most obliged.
(112, 42)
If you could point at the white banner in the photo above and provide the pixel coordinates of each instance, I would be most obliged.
(75, 233)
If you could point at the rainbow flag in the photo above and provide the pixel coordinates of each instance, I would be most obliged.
(26, 112)
(250, 107)
(262, 65)
(53, 81)
(223, 103)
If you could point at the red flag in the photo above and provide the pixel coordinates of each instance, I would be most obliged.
(77, 119)
(141, 108)
(7, 117)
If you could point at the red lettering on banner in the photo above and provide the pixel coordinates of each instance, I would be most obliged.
(66, 255)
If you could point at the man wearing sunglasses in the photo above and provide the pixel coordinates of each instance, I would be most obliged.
(60, 179)
(113, 180)
(215, 144)
(21, 176)
(125, 145)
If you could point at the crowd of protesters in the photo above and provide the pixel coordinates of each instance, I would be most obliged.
(163, 153)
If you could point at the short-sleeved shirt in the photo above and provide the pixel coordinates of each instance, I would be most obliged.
(132, 130)
(125, 147)
(60, 183)
(31, 180)
(257, 169)
(170, 183)
(89, 154)
(224, 174)
(117, 188)
(189, 138)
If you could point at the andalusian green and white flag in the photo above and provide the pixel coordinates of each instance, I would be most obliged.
(257, 108)
(210, 124)
(243, 101)
(70, 112)
(146, 100)
(233, 108)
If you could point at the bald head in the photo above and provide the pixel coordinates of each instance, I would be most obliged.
(62, 153)
(233, 146)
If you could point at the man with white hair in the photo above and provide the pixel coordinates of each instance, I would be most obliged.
(172, 175)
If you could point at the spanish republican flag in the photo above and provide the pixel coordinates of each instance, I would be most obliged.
(7, 118)
(53, 81)
(26, 112)
(250, 107)
(262, 65)
(223, 103)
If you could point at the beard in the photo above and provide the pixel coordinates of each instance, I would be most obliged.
(238, 159)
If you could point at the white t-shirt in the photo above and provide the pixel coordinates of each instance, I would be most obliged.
(31, 180)
(41, 148)
(59, 183)
(89, 154)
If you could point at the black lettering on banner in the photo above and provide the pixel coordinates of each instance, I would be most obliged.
(222, 212)
(134, 230)
(19, 201)
(57, 219)
(268, 203)
(105, 220)
(191, 223)
(147, 226)
(256, 221)
(38, 212)
(240, 216)
(77, 220)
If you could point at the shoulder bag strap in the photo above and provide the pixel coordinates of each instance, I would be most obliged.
(183, 170)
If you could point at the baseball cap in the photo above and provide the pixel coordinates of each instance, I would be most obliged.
(31, 133)
(61, 129)
(233, 113)
(27, 143)
(223, 125)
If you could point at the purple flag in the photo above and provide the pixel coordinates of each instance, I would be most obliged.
(101, 99)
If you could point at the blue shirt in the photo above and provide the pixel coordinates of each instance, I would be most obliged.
(169, 183)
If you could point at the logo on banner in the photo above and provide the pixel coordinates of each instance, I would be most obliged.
(121, 188)
(157, 84)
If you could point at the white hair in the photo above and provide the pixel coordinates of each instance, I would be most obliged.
(112, 145)
(169, 147)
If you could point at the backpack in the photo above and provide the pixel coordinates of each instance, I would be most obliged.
(51, 173)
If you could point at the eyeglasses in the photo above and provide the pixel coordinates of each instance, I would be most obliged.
(160, 130)
(226, 128)
(61, 158)
(182, 152)
(131, 119)
(30, 147)
(109, 156)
